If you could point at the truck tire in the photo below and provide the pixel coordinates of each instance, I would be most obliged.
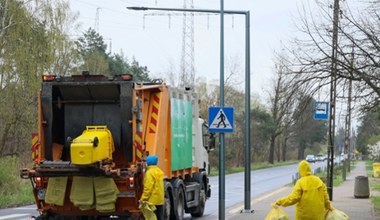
(180, 204)
(199, 210)
(167, 206)
(169, 213)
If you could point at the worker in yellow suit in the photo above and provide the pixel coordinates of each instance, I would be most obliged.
(153, 192)
(309, 194)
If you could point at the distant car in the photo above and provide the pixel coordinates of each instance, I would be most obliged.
(310, 158)
(320, 157)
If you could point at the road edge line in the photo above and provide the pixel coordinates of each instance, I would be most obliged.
(255, 201)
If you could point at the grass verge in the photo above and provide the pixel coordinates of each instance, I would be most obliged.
(13, 190)
(374, 184)
(254, 166)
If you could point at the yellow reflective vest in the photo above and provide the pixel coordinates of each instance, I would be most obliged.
(153, 186)
(309, 194)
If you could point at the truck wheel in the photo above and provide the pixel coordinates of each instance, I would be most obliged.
(167, 205)
(180, 205)
(199, 210)
(169, 211)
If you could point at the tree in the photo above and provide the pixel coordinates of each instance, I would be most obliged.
(59, 21)
(28, 31)
(92, 50)
(209, 95)
(91, 42)
(357, 52)
(140, 73)
(118, 65)
(307, 131)
(339, 140)
(281, 102)
(18, 54)
(368, 128)
(262, 126)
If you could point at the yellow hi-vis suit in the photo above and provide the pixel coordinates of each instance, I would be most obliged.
(309, 194)
(153, 186)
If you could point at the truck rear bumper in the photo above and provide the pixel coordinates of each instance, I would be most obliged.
(62, 168)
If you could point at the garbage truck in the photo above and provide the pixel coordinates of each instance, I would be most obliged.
(94, 134)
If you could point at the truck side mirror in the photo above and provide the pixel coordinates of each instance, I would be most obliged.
(208, 138)
(211, 142)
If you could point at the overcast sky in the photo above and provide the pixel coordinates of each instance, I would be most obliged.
(157, 41)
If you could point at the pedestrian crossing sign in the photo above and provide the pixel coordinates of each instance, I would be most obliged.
(221, 119)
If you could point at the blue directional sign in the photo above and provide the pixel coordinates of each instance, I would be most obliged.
(221, 119)
(321, 110)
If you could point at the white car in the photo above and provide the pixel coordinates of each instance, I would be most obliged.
(320, 157)
(310, 158)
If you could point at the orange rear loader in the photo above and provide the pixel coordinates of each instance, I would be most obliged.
(94, 133)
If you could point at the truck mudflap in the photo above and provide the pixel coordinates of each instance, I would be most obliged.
(111, 197)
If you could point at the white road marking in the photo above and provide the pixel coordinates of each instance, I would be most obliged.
(25, 208)
(12, 216)
(236, 210)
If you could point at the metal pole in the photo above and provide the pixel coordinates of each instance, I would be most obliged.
(187, 10)
(247, 185)
(349, 126)
(330, 164)
(247, 179)
(221, 136)
(349, 114)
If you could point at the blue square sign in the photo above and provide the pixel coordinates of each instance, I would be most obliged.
(221, 119)
(321, 110)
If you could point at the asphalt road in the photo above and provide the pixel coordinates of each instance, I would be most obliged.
(262, 182)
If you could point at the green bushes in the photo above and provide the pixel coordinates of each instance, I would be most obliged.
(13, 189)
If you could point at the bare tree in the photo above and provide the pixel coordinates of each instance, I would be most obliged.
(282, 99)
(358, 37)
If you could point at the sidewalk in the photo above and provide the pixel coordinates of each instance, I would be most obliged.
(343, 199)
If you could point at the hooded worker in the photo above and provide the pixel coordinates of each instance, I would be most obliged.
(153, 193)
(309, 194)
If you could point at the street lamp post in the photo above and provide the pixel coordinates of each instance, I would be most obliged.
(247, 182)
(222, 174)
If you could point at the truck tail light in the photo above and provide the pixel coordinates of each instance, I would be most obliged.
(48, 77)
(38, 181)
(126, 77)
(131, 181)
